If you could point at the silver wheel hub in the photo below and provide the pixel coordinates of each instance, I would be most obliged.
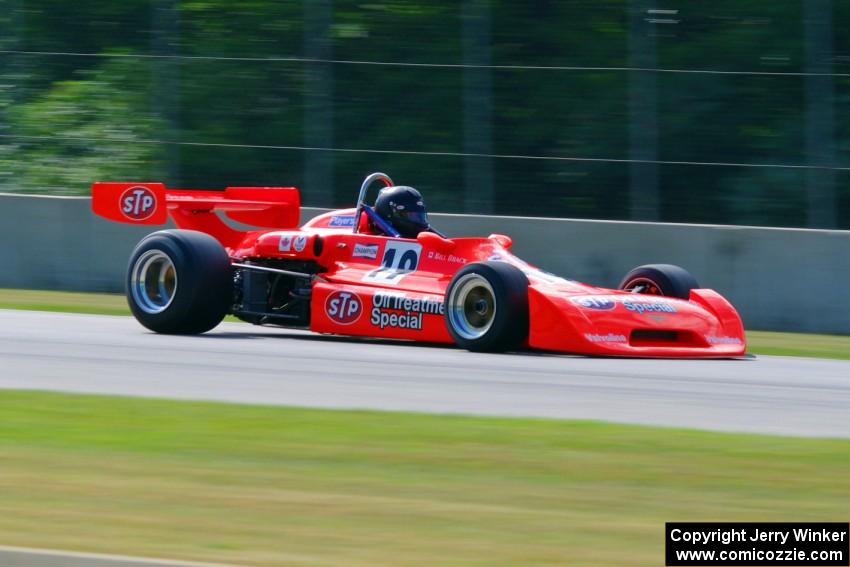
(153, 282)
(471, 307)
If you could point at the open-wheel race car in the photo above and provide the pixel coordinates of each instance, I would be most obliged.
(353, 272)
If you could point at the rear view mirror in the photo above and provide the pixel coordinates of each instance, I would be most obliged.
(435, 241)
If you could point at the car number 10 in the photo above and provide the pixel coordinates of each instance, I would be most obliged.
(399, 258)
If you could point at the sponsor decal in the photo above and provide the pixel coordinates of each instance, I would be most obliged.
(446, 257)
(343, 307)
(299, 243)
(365, 251)
(343, 221)
(609, 338)
(651, 306)
(495, 258)
(723, 340)
(285, 243)
(399, 259)
(642, 307)
(400, 311)
(138, 203)
(597, 303)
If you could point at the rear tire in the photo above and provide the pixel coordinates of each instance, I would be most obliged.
(486, 307)
(660, 279)
(179, 282)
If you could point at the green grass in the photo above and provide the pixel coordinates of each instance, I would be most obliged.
(281, 486)
(759, 342)
(64, 301)
(799, 344)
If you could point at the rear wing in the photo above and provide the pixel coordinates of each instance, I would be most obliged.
(153, 203)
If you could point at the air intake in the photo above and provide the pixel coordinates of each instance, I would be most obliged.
(655, 337)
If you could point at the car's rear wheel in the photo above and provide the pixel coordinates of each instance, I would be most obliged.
(179, 282)
(660, 279)
(486, 307)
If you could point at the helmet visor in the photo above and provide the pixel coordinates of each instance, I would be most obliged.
(416, 218)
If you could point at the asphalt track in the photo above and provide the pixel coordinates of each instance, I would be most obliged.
(243, 363)
(29, 557)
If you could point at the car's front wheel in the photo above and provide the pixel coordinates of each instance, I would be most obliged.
(179, 282)
(486, 307)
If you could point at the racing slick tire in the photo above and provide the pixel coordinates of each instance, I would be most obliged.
(179, 282)
(660, 279)
(486, 307)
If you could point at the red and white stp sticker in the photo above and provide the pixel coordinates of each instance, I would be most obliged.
(138, 203)
(343, 307)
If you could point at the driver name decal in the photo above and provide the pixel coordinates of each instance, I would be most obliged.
(433, 255)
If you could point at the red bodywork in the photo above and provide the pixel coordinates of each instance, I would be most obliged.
(379, 286)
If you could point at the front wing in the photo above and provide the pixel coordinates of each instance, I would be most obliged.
(622, 324)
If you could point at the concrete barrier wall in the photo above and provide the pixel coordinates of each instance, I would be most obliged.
(57, 243)
(779, 279)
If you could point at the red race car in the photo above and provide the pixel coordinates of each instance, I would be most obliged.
(383, 271)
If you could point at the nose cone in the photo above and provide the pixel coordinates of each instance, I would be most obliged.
(625, 324)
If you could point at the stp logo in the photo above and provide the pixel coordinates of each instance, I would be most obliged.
(343, 307)
(138, 203)
(598, 303)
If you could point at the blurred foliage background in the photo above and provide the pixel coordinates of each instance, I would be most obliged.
(731, 112)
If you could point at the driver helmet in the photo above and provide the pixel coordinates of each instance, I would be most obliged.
(403, 208)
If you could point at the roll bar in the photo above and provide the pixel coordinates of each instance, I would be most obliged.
(361, 198)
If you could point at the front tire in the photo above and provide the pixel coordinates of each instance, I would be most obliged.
(660, 279)
(486, 307)
(179, 282)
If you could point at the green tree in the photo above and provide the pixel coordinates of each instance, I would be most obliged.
(97, 126)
